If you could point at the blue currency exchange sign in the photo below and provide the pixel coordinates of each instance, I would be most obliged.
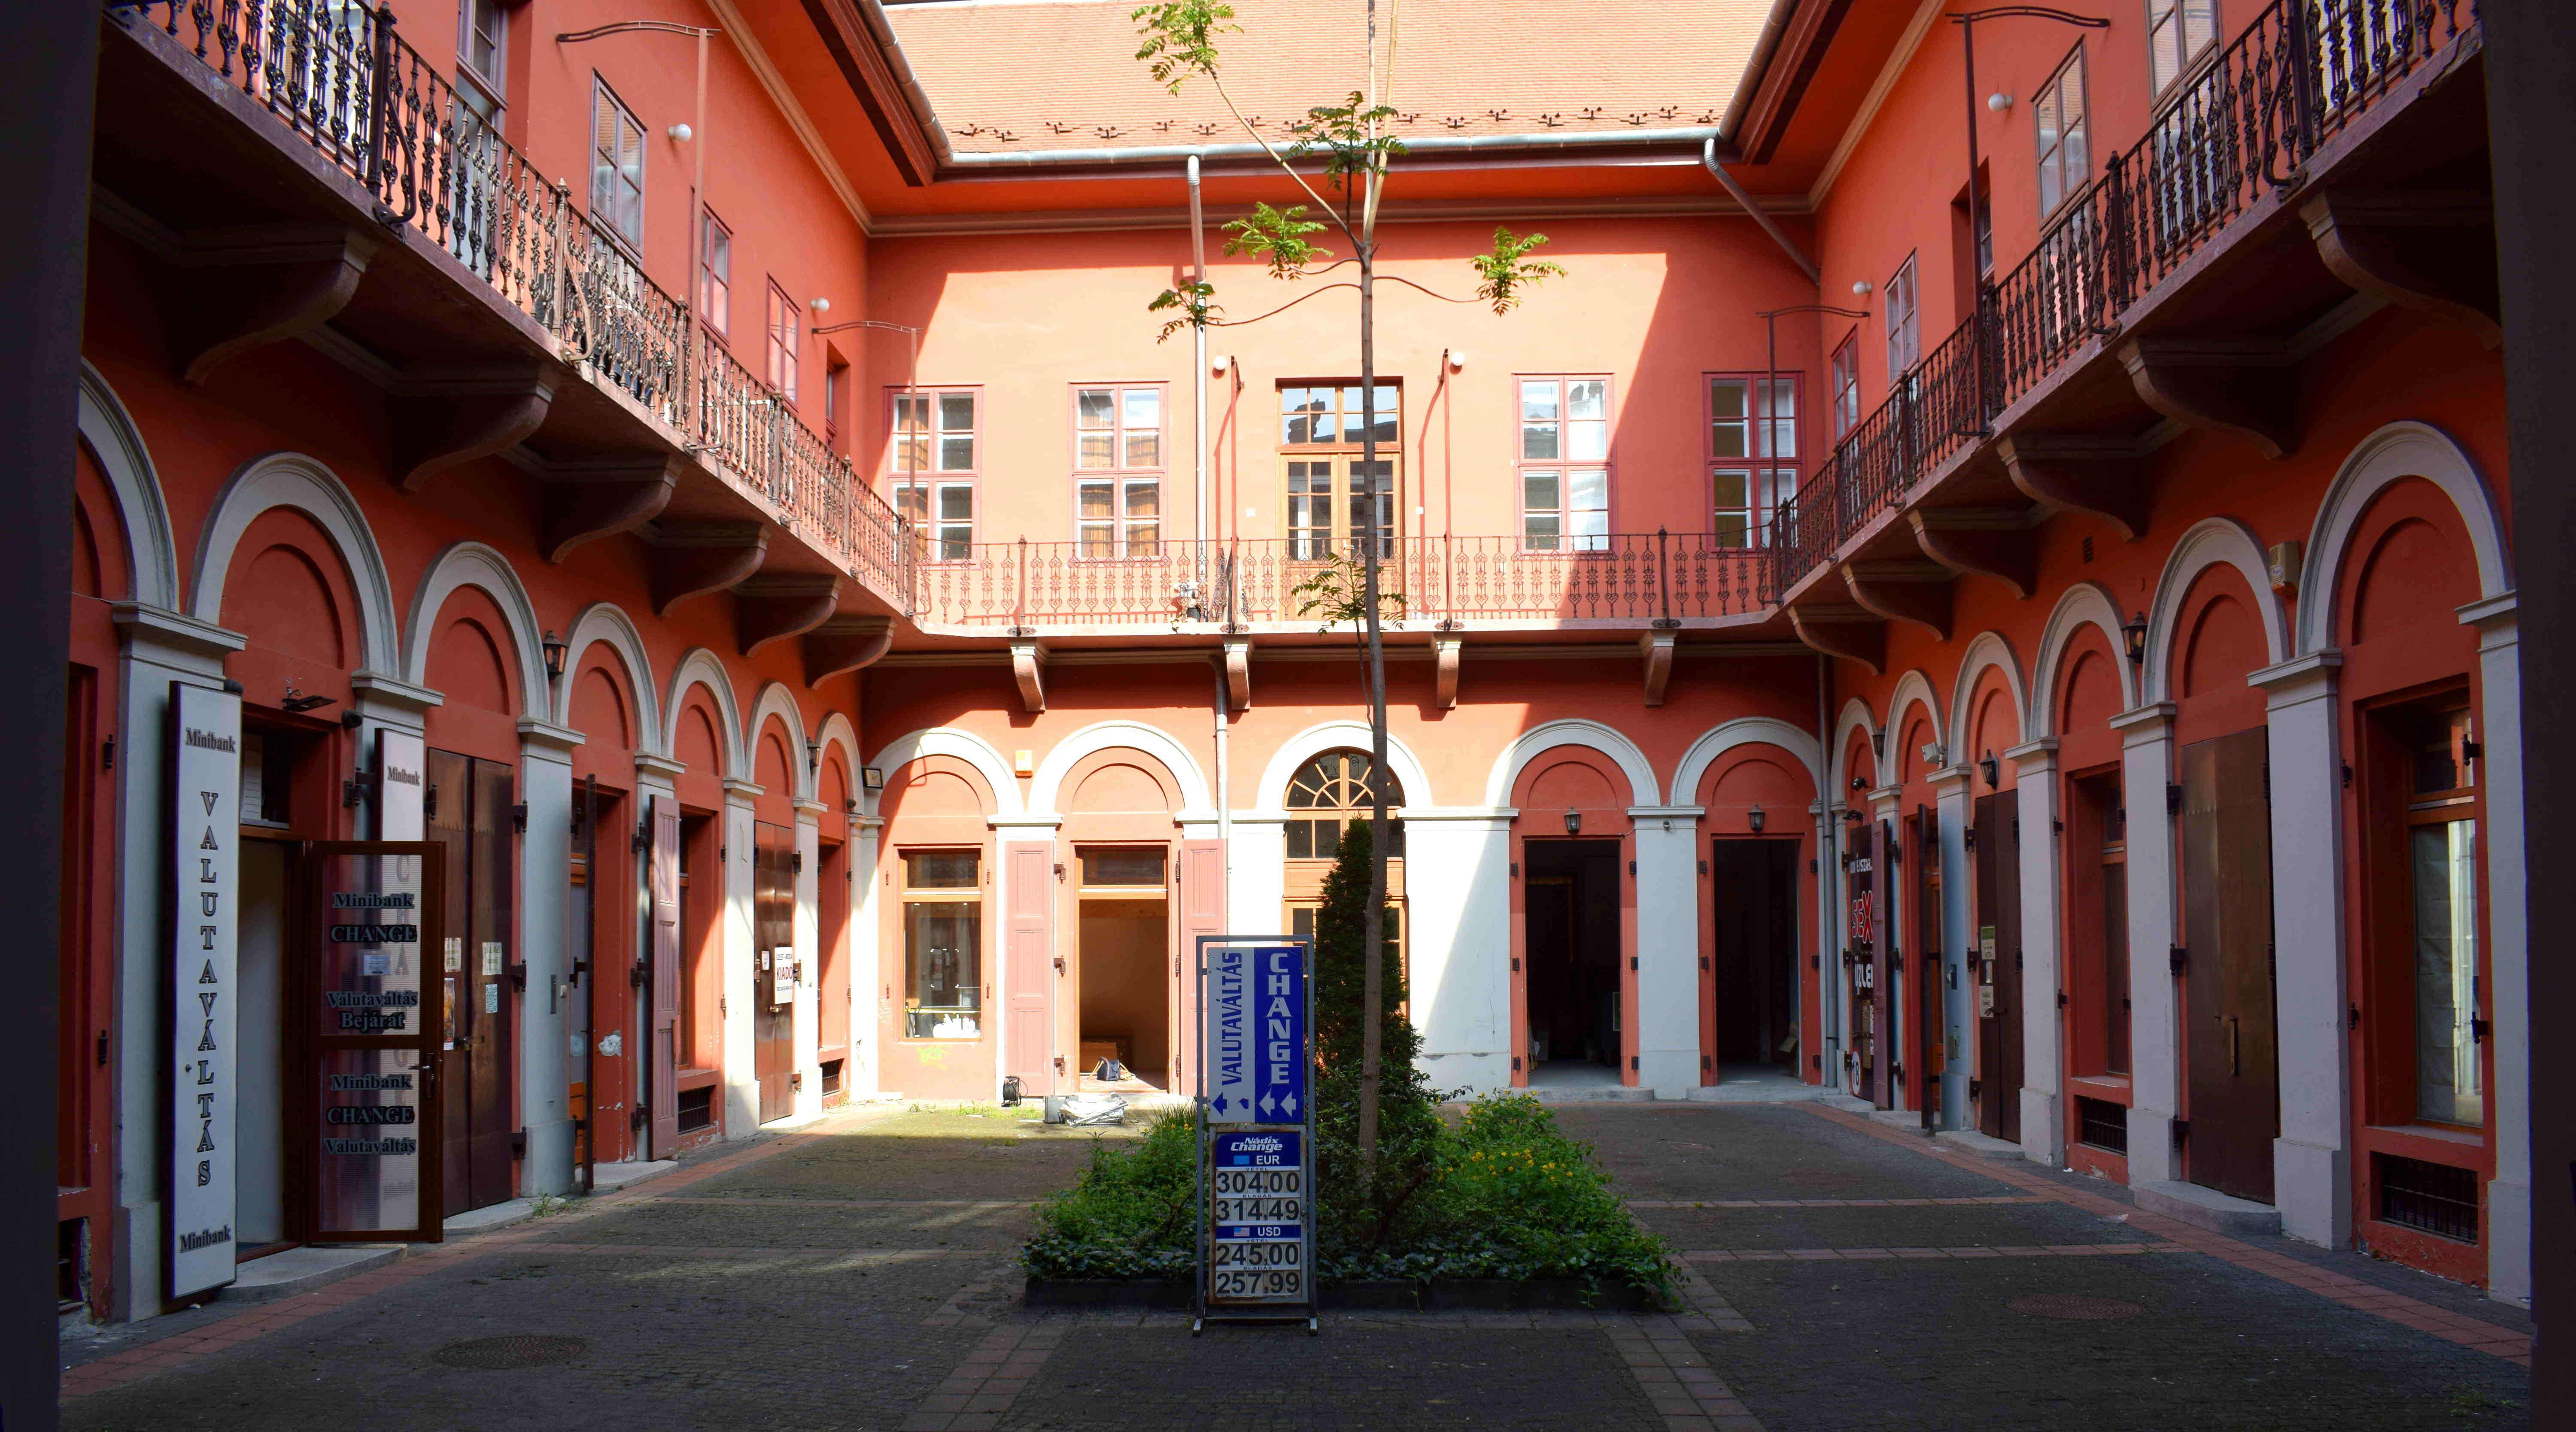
(1257, 1055)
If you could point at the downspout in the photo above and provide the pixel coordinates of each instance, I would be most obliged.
(1829, 989)
(1807, 266)
(1198, 372)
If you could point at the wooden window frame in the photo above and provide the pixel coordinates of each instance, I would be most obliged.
(784, 350)
(2188, 63)
(908, 895)
(1122, 478)
(715, 273)
(1346, 455)
(930, 537)
(493, 78)
(2074, 172)
(604, 94)
(1564, 542)
(1845, 384)
(1903, 356)
(1768, 478)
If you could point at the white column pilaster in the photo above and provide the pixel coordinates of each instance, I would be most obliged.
(1958, 1012)
(544, 947)
(807, 1013)
(2312, 1157)
(1256, 872)
(740, 1073)
(2155, 1080)
(2043, 1122)
(1829, 944)
(868, 981)
(1457, 873)
(2508, 958)
(1668, 1005)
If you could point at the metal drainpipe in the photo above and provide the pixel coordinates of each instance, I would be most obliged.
(1829, 991)
(1198, 376)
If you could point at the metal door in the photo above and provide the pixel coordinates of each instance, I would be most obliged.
(371, 1101)
(774, 973)
(2230, 1053)
(662, 981)
(1031, 968)
(1999, 1032)
(469, 812)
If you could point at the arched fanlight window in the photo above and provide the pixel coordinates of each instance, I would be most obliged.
(1334, 788)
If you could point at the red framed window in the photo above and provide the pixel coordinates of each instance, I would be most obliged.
(784, 342)
(1752, 453)
(1118, 458)
(933, 467)
(2065, 139)
(1845, 378)
(715, 272)
(1564, 464)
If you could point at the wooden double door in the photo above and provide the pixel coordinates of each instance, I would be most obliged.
(469, 810)
(1997, 959)
(774, 968)
(2231, 1051)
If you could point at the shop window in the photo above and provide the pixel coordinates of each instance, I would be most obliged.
(943, 944)
(2442, 869)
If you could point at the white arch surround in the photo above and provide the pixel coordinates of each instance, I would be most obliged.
(1912, 689)
(607, 623)
(776, 700)
(472, 564)
(290, 479)
(1325, 736)
(2394, 453)
(1745, 731)
(2210, 542)
(1988, 649)
(836, 730)
(966, 746)
(1642, 787)
(108, 431)
(701, 667)
(2081, 605)
(1104, 735)
(1855, 716)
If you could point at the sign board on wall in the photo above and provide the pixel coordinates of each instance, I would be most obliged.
(402, 785)
(205, 833)
(1256, 1129)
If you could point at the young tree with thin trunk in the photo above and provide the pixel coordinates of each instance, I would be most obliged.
(1357, 151)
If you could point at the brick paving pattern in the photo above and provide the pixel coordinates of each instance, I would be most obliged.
(857, 1274)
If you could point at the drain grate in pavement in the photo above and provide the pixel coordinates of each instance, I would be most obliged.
(2075, 1307)
(515, 1351)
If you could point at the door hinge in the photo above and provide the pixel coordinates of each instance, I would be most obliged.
(102, 1047)
(2061, 999)
(429, 802)
(107, 755)
(1632, 1061)
(1703, 1063)
(2181, 1130)
(1970, 838)
(519, 976)
(2178, 958)
(519, 1144)
(2017, 964)
(2478, 1030)
(2346, 767)
(2056, 826)
(796, 862)
(640, 975)
(643, 1115)
(2016, 825)
(2352, 1017)
(1516, 1064)
(2267, 780)
(2173, 798)
(519, 817)
(643, 836)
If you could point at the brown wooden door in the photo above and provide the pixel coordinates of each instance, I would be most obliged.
(1860, 917)
(2230, 1058)
(469, 813)
(1031, 968)
(371, 1100)
(1886, 1048)
(773, 943)
(1999, 1032)
(1930, 1053)
(662, 981)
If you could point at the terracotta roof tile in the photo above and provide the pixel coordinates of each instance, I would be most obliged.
(1034, 75)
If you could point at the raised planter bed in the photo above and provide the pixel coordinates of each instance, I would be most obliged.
(1446, 1295)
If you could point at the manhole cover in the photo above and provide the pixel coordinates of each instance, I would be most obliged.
(2077, 1307)
(515, 1351)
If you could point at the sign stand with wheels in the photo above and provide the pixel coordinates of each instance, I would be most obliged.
(1256, 1131)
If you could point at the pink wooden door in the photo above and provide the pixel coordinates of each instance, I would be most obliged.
(1030, 969)
(1202, 913)
(664, 980)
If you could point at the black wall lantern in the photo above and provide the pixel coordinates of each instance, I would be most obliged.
(1574, 822)
(2134, 632)
(1753, 818)
(556, 650)
(1988, 766)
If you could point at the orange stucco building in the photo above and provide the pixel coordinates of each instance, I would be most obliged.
(2034, 654)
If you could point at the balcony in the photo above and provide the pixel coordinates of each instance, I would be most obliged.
(309, 174)
(2327, 161)
(1625, 582)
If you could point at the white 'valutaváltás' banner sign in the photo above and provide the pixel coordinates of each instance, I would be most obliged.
(402, 785)
(205, 836)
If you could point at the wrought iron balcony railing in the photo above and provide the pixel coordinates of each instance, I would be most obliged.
(337, 75)
(1643, 580)
(2302, 73)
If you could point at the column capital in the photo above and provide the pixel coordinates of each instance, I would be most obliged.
(2151, 722)
(741, 792)
(536, 735)
(1949, 779)
(648, 764)
(2301, 678)
(2034, 758)
(1667, 812)
(2489, 612)
(176, 635)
